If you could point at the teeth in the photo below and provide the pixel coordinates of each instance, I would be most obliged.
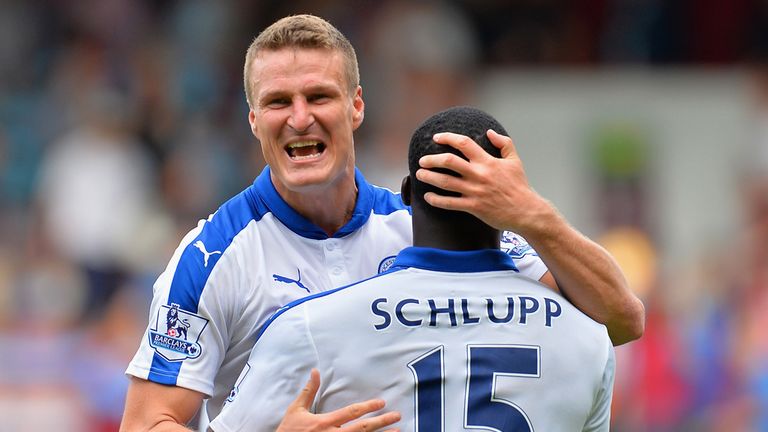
(300, 144)
(301, 150)
(312, 156)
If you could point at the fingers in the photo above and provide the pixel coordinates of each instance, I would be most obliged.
(354, 411)
(375, 423)
(470, 149)
(446, 202)
(307, 394)
(504, 143)
(440, 180)
(466, 145)
(444, 160)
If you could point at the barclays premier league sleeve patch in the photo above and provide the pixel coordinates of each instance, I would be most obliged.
(515, 246)
(176, 332)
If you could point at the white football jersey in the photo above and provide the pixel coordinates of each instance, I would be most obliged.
(253, 256)
(451, 340)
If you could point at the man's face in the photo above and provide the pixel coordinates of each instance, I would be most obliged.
(304, 116)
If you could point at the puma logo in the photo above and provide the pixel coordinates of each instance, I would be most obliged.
(199, 244)
(287, 280)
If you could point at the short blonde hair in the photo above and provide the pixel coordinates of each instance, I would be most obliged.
(301, 31)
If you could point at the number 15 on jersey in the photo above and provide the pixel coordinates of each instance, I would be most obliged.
(482, 409)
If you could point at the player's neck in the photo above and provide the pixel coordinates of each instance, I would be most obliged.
(329, 208)
(434, 234)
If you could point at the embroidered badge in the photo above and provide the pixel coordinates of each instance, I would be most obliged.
(175, 333)
(515, 246)
(386, 263)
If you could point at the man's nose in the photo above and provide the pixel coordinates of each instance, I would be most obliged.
(301, 116)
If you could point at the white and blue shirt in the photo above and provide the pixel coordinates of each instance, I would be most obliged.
(452, 340)
(252, 257)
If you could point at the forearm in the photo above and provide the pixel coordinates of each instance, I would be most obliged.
(158, 408)
(168, 426)
(159, 423)
(587, 275)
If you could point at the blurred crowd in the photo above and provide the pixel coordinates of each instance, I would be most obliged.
(123, 122)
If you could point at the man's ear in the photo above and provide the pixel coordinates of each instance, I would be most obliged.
(252, 122)
(359, 106)
(405, 190)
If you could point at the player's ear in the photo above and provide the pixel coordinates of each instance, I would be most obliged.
(405, 190)
(252, 122)
(359, 108)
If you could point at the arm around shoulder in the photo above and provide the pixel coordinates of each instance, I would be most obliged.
(585, 273)
(150, 406)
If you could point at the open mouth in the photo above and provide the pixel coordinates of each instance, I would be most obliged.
(303, 150)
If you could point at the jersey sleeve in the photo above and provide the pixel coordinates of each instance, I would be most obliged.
(599, 419)
(523, 255)
(186, 337)
(277, 370)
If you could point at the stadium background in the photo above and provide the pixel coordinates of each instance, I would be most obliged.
(646, 122)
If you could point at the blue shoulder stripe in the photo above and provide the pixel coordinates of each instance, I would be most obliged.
(387, 202)
(201, 255)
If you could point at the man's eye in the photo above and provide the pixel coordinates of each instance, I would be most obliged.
(278, 102)
(317, 97)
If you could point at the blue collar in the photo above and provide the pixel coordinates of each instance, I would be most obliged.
(304, 227)
(454, 261)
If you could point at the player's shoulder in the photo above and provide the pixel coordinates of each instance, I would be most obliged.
(229, 220)
(574, 319)
(383, 201)
(236, 213)
(202, 248)
(580, 329)
(386, 202)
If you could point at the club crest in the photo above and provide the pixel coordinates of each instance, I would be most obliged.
(175, 333)
(386, 263)
(515, 246)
